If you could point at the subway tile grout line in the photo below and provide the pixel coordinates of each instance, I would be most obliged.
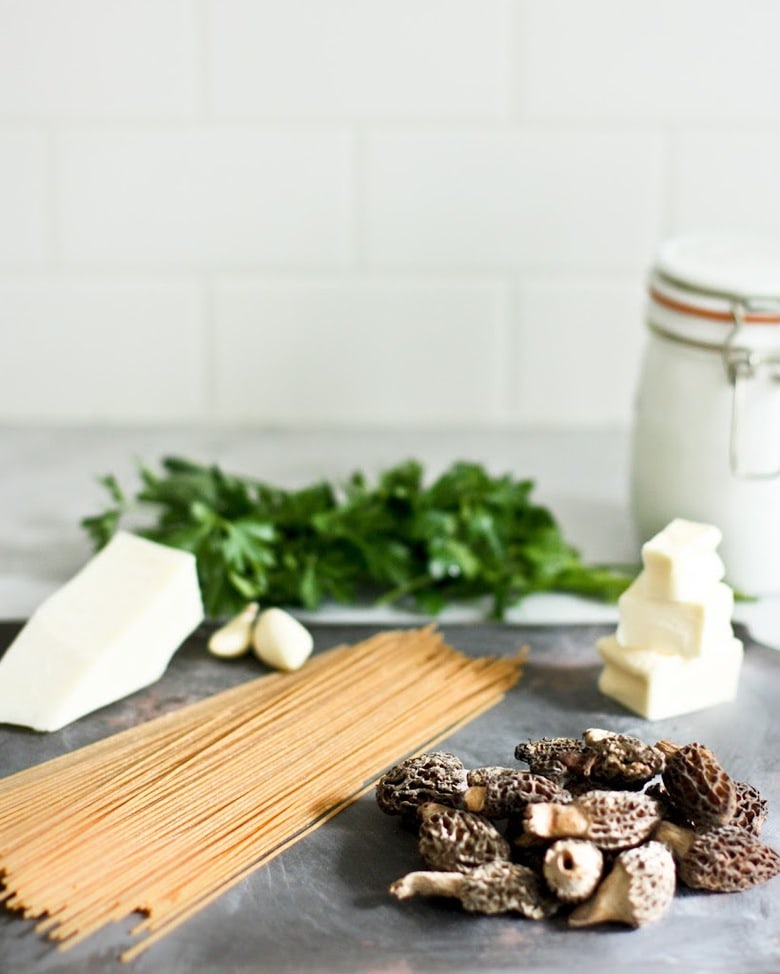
(435, 125)
(309, 276)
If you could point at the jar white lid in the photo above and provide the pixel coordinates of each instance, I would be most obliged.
(726, 265)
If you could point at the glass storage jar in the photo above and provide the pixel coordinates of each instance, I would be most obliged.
(706, 438)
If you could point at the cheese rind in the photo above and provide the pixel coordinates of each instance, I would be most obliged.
(109, 631)
(658, 685)
(690, 628)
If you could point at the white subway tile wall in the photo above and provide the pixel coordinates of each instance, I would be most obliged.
(506, 200)
(206, 198)
(366, 59)
(101, 351)
(24, 199)
(665, 61)
(362, 212)
(395, 351)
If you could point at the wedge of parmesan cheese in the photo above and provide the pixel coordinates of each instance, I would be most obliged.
(109, 631)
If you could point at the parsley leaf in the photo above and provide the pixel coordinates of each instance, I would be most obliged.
(464, 536)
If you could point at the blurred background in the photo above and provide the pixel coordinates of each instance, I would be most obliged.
(418, 213)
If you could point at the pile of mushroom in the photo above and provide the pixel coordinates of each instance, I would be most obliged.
(600, 829)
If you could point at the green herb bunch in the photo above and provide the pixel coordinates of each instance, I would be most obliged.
(466, 535)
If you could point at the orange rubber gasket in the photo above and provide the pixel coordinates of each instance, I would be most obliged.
(749, 317)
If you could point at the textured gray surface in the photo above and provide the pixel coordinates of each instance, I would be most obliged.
(323, 905)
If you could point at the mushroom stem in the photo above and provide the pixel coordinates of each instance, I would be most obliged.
(427, 884)
(572, 868)
(668, 748)
(474, 798)
(552, 820)
(677, 838)
(609, 904)
(637, 891)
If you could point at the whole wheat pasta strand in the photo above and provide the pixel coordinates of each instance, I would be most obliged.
(173, 778)
(150, 925)
(174, 723)
(360, 786)
(155, 757)
(165, 817)
(275, 801)
(160, 927)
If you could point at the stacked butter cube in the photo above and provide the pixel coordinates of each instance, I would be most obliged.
(674, 650)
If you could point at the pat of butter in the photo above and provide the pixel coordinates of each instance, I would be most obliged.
(680, 562)
(690, 628)
(674, 650)
(109, 631)
(657, 685)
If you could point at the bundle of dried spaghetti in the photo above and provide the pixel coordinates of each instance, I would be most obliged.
(165, 817)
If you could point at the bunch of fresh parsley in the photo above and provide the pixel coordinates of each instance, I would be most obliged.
(464, 536)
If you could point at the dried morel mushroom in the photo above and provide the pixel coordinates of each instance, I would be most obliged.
(496, 887)
(502, 792)
(724, 860)
(669, 811)
(556, 758)
(697, 784)
(638, 889)
(752, 808)
(610, 852)
(610, 819)
(452, 840)
(620, 760)
(603, 759)
(481, 776)
(434, 777)
(572, 869)
(750, 813)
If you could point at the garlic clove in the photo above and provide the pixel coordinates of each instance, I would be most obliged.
(280, 641)
(234, 639)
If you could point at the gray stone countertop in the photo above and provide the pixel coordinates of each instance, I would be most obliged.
(323, 904)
